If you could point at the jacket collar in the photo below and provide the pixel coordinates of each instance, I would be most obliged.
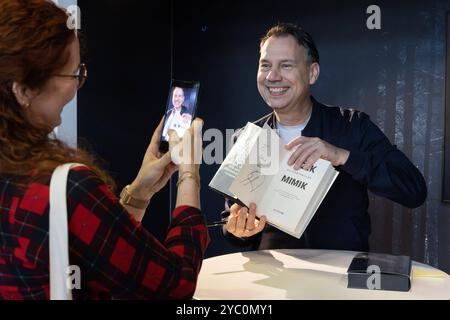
(312, 129)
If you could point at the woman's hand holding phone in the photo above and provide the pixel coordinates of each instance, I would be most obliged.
(157, 168)
(188, 154)
(155, 171)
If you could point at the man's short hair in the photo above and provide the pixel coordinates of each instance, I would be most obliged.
(303, 38)
(174, 88)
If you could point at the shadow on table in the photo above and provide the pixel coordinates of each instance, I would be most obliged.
(297, 282)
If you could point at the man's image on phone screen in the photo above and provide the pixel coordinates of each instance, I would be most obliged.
(179, 115)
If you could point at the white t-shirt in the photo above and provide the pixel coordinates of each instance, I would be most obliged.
(287, 133)
(177, 122)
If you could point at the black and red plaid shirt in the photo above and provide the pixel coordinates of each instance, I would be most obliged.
(117, 257)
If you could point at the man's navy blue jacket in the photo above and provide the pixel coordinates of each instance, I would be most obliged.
(342, 221)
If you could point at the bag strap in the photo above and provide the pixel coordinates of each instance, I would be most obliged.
(58, 233)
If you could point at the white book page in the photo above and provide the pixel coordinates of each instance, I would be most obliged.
(282, 197)
(330, 178)
(235, 159)
(256, 174)
(292, 192)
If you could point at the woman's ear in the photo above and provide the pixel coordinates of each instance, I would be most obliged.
(22, 93)
(314, 72)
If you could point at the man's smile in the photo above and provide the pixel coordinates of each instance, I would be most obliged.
(277, 91)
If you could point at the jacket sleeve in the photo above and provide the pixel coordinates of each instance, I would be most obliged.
(386, 171)
(118, 257)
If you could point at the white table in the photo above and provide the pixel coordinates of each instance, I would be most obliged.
(302, 274)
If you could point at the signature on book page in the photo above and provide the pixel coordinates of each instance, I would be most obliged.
(254, 179)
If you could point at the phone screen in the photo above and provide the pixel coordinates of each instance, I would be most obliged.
(181, 109)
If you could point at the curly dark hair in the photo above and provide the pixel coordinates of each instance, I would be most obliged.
(34, 44)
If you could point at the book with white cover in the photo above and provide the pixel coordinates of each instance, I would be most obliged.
(287, 197)
(234, 160)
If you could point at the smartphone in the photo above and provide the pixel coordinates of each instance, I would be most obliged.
(181, 109)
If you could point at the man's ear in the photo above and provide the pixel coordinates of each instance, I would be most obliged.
(22, 93)
(314, 72)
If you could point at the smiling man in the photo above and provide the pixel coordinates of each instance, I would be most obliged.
(178, 117)
(356, 147)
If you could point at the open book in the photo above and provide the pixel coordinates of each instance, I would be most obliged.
(256, 170)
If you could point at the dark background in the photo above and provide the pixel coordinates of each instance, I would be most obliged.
(396, 75)
(446, 185)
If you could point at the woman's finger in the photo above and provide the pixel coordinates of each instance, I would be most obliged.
(154, 142)
(231, 223)
(250, 225)
(241, 221)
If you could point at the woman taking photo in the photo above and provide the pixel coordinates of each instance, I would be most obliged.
(40, 72)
